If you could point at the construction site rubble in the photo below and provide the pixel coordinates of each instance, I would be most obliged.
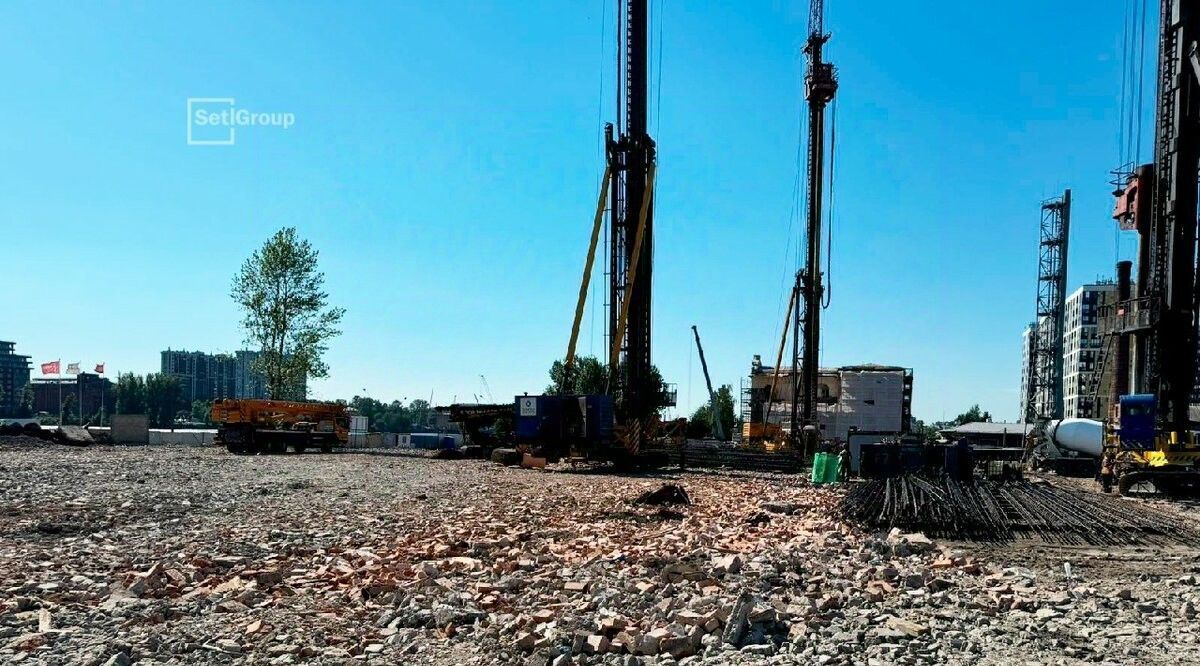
(177, 555)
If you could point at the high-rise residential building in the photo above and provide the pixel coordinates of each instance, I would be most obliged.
(247, 383)
(203, 376)
(14, 375)
(1082, 351)
(1028, 338)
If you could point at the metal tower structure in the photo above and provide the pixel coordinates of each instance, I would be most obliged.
(820, 85)
(631, 158)
(1045, 384)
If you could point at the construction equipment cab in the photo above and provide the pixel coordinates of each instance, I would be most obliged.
(1137, 421)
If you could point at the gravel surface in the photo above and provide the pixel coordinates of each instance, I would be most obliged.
(113, 555)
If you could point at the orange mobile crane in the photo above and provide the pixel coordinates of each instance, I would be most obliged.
(271, 426)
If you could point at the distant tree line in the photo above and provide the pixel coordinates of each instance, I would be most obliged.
(23, 409)
(701, 423)
(930, 431)
(591, 377)
(394, 416)
(157, 395)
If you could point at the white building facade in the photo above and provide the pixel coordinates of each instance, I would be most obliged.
(1082, 352)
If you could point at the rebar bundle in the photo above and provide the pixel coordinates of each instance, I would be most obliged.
(1006, 509)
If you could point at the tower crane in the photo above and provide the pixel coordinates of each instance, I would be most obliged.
(717, 428)
(820, 86)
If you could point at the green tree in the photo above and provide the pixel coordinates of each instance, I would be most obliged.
(927, 431)
(131, 394)
(932, 431)
(201, 411)
(420, 413)
(25, 406)
(383, 417)
(700, 424)
(661, 392)
(588, 377)
(69, 411)
(972, 415)
(286, 313)
(162, 399)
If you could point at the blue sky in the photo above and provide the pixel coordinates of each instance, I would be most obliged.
(445, 160)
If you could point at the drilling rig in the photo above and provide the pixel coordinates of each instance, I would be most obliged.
(1149, 436)
(820, 86)
(631, 161)
(636, 391)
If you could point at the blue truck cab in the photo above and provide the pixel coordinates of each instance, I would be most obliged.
(1137, 421)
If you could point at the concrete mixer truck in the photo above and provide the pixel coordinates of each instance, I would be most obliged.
(1071, 447)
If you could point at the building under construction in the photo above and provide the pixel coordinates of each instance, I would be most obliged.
(855, 398)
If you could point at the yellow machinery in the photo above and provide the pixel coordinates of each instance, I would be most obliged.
(272, 426)
(766, 435)
(1137, 452)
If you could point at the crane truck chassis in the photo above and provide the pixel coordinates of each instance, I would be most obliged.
(273, 426)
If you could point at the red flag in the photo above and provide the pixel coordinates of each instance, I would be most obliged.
(50, 368)
(99, 368)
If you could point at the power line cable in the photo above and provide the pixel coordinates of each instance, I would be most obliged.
(829, 210)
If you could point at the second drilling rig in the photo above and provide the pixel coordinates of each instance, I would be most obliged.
(820, 86)
(1150, 437)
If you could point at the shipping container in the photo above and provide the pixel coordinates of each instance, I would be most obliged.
(563, 420)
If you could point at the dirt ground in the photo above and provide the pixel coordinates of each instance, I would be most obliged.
(190, 555)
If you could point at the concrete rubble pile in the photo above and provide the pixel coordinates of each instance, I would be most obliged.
(186, 555)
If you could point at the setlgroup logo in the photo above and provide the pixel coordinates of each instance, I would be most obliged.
(215, 121)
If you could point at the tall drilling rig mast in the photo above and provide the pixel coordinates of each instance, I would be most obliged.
(820, 85)
(1171, 358)
(1044, 385)
(1150, 436)
(631, 157)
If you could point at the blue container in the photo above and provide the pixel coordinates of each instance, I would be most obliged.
(563, 419)
(598, 418)
(1138, 416)
(537, 417)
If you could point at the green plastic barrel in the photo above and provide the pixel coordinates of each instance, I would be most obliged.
(833, 468)
(820, 463)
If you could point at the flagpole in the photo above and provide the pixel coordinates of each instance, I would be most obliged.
(58, 374)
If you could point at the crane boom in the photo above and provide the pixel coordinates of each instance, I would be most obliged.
(787, 319)
(718, 429)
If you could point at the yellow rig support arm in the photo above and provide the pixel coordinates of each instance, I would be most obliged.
(587, 274)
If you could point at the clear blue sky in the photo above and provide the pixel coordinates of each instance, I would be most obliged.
(445, 161)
